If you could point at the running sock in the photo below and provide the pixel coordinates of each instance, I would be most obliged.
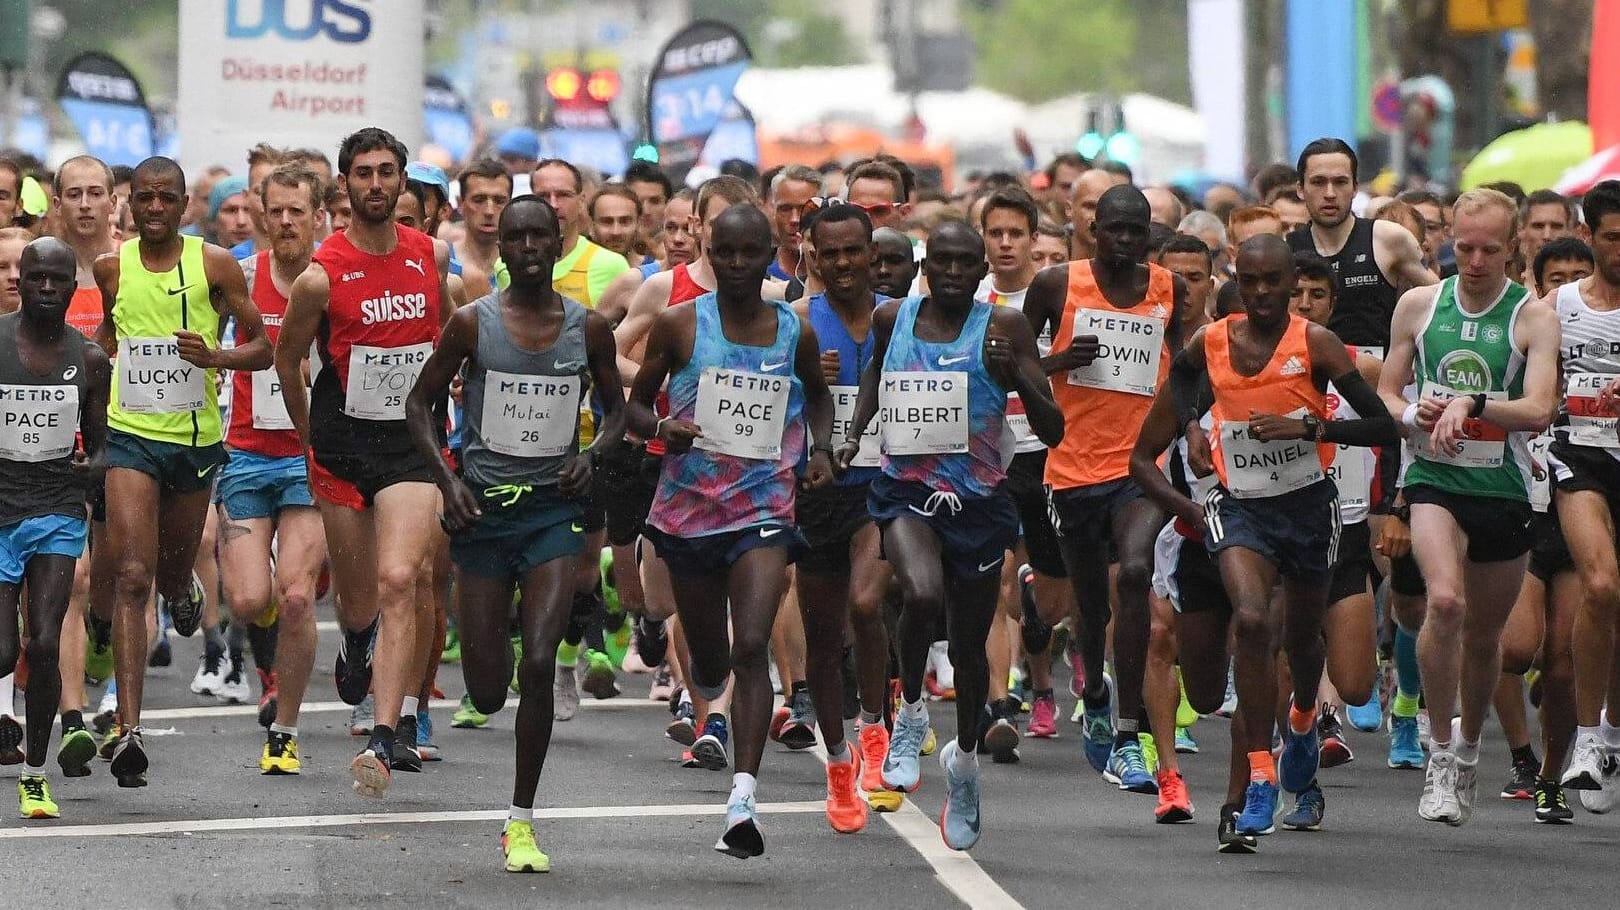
(1580, 732)
(30, 771)
(965, 762)
(1611, 734)
(1126, 732)
(520, 814)
(1095, 702)
(1408, 681)
(72, 720)
(1467, 752)
(568, 654)
(285, 730)
(1262, 769)
(1300, 720)
(408, 706)
(213, 641)
(1526, 755)
(8, 694)
(262, 642)
(1404, 705)
(914, 710)
(842, 754)
(742, 785)
(867, 717)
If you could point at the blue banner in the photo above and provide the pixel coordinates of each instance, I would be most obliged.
(691, 90)
(448, 121)
(1321, 81)
(106, 105)
(600, 149)
(733, 137)
(30, 132)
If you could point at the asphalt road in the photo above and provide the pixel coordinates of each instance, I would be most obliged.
(627, 827)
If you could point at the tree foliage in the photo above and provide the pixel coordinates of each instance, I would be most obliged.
(1037, 50)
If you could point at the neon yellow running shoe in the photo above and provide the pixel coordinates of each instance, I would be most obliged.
(517, 842)
(930, 742)
(34, 799)
(468, 717)
(280, 755)
(1185, 715)
(1150, 752)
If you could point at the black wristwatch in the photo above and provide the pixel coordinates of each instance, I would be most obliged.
(1313, 427)
(1403, 512)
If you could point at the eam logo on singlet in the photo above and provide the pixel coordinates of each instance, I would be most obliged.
(343, 21)
(393, 308)
(1464, 371)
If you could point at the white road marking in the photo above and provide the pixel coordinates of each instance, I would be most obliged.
(328, 707)
(197, 825)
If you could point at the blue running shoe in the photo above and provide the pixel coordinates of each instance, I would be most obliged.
(902, 768)
(742, 838)
(1097, 730)
(1259, 814)
(1309, 805)
(1185, 744)
(1405, 751)
(959, 819)
(1368, 717)
(710, 749)
(1302, 755)
(1127, 768)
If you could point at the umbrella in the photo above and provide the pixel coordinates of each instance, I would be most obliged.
(1534, 158)
(1605, 165)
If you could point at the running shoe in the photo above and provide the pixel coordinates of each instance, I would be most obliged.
(267, 697)
(1043, 717)
(902, 769)
(1127, 768)
(1228, 838)
(1309, 806)
(1150, 752)
(930, 742)
(109, 742)
(210, 674)
(1522, 783)
(940, 677)
(874, 747)
(1405, 751)
(683, 727)
(846, 811)
(517, 845)
(404, 756)
(1335, 751)
(1098, 733)
(280, 754)
(468, 717)
(1259, 816)
(959, 817)
(34, 798)
(1585, 770)
(75, 752)
(353, 670)
(452, 647)
(1229, 704)
(1185, 715)
(370, 770)
(1440, 802)
(742, 838)
(162, 653)
(799, 730)
(1600, 802)
(186, 612)
(616, 639)
(424, 737)
(1175, 805)
(565, 693)
(663, 684)
(1301, 758)
(600, 680)
(1552, 807)
(11, 738)
(98, 659)
(1467, 787)
(363, 717)
(129, 759)
(1368, 717)
(779, 718)
(652, 641)
(710, 748)
(233, 689)
(1001, 734)
(1185, 744)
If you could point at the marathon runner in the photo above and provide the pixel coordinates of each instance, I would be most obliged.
(53, 384)
(894, 267)
(615, 216)
(513, 511)
(486, 187)
(1484, 354)
(377, 311)
(795, 191)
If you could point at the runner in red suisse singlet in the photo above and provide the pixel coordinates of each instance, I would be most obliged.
(682, 289)
(381, 323)
(259, 421)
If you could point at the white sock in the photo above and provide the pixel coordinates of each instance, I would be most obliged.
(407, 707)
(964, 762)
(1582, 733)
(30, 771)
(8, 694)
(841, 756)
(282, 728)
(1611, 733)
(742, 785)
(520, 814)
(1467, 752)
(914, 710)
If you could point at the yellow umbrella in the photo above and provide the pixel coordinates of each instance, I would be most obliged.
(1534, 158)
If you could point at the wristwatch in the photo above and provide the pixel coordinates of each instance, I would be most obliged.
(1403, 512)
(1313, 427)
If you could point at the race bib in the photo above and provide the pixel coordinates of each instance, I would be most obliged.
(869, 455)
(152, 379)
(38, 422)
(1589, 424)
(528, 416)
(269, 408)
(741, 414)
(1128, 351)
(380, 378)
(1352, 474)
(1540, 473)
(1255, 469)
(924, 413)
(1483, 444)
(1024, 440)
(1372, 350)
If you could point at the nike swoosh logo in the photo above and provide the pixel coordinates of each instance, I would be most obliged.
(570, 365)
(204, 472)
(577, 529)
(985, 567)
(769, 532)
(947, 361)
(767, 367)
(181, 290)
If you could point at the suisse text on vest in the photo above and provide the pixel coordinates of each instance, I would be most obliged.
(391, 307)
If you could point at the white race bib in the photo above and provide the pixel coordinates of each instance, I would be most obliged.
(1024, 440)
(38, 422)
(741, 414)
(1129, 347)
(1540, 473)
(1255, 469)
(1483, 445)
(924, 413)
(1589, 425)
(529, 416)
(1372, 350)
(152, 379)
(380, 378)
(1351, 473)
(269, 408)
(869, 455)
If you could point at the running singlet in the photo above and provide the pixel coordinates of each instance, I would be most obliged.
(1352, 466)
(940, 412)
(1249, 468)
(522, 406)
(382, 321)
(259, 421)
(1459, 353)
(1365, 300)
(748, 400)
(39, 420)
(1107, 402)
(1024, 438)
(155, 394)
(853, 356)
(85, 311)
(1590, 351)
(682, 289)
(586, 272)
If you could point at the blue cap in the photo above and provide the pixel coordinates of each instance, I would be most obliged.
(223, 190)
(520, 142)
(430, 174)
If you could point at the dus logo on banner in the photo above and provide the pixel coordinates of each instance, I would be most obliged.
(344, 21)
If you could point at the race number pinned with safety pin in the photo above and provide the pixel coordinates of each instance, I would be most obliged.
(1128, 351)
(924, 413)
(741, 414)
(380, 378)
(38, 422)
(869, 455)
(153, 379)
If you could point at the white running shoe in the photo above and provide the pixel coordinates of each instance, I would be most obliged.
(1586, 764)
(210, 675)
(1440, 779)
(939, 660)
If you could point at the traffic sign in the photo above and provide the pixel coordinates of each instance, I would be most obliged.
(1476, 16)
(1386, 105)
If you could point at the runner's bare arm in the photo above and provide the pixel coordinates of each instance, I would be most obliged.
(1330, 362)
(818, 406)
(1043, 308)
(1189, 396)
(631, 335)
(441, 258)
(604, 366)
(1178, 311)
(1397, 252)
(1013, 357)
(93, 413)
(476, 281)
(669, 346)
(458, 291)
(106, 272)
(1397, 372)
(228, 290)
(458, 343)
(306, 307)
(1159, 430)
(616, 297)
(866, 400)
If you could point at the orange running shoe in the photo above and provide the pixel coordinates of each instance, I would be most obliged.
(874, 746)
(777, 720)
(1174, 803)
(846, 811)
